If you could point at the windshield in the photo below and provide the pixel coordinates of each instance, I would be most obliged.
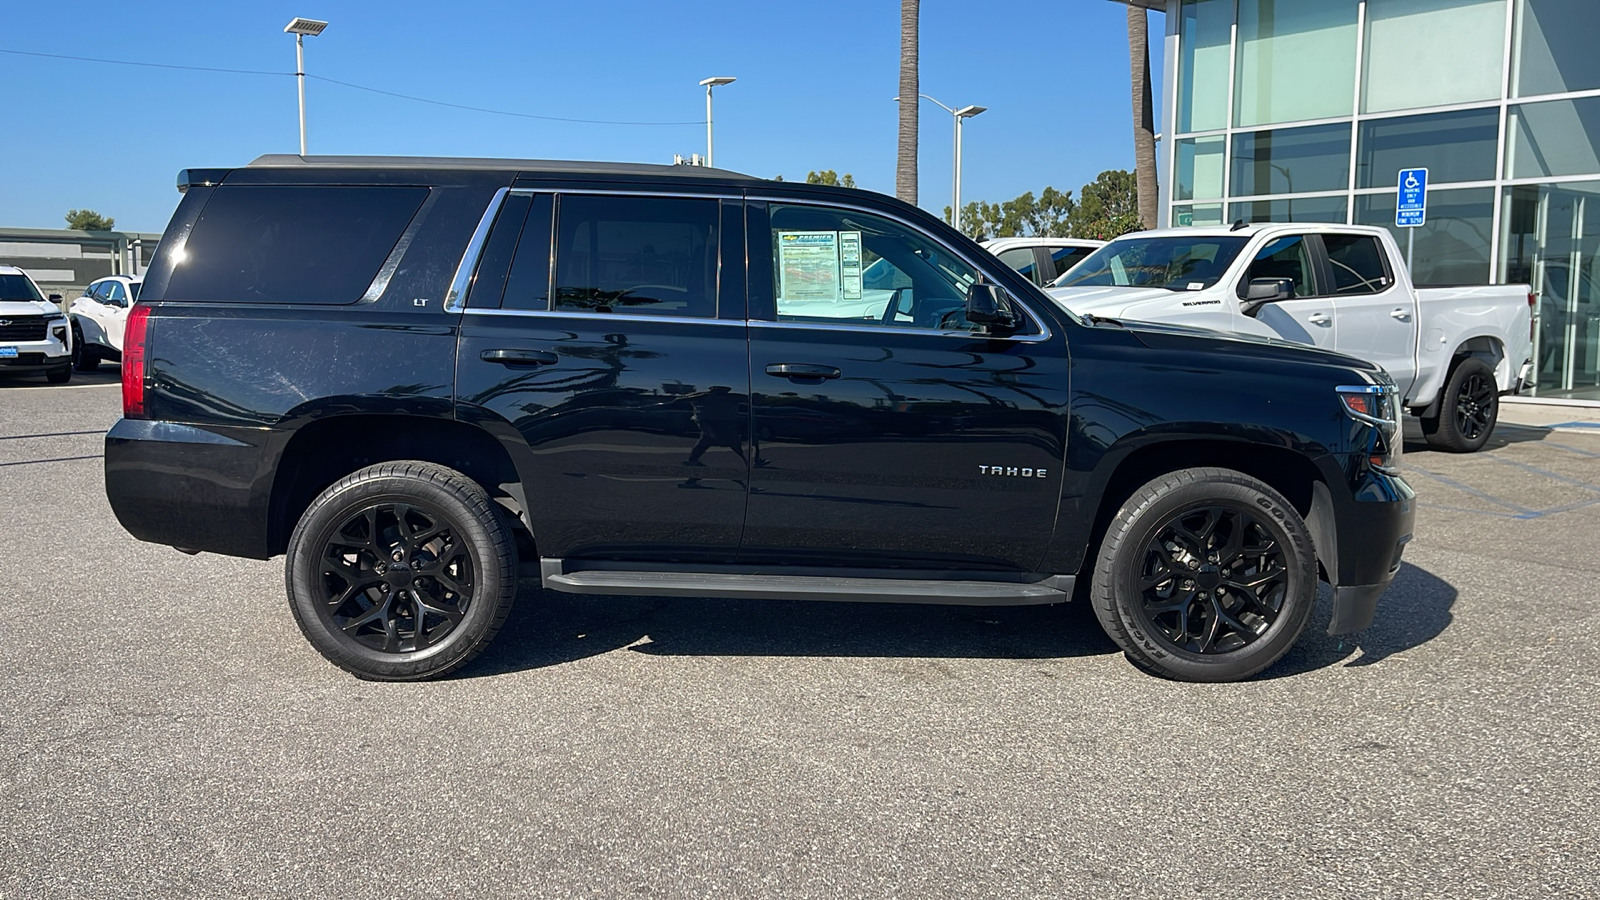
(18, 287)
(1174, 263)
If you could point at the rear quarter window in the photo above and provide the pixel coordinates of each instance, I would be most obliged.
(300, 245)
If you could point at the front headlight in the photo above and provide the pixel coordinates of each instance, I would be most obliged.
(1377, 405)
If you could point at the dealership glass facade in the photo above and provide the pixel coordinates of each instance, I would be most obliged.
(1306, 111)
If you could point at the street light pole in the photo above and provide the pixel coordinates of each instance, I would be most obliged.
(300, 28)
(710, 83)
(965, 112)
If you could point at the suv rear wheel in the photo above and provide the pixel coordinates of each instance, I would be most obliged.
(1205, 575)
(401, 571)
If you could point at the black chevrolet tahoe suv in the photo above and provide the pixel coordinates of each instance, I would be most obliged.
(415, 376)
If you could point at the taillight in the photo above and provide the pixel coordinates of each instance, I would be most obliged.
(133, 352)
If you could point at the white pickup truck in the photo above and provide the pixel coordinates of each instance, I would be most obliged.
(1452, 351)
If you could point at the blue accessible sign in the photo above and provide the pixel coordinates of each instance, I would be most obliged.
(1412, 209)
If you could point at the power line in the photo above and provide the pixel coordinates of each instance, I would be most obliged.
(497, 112)
(359, 87)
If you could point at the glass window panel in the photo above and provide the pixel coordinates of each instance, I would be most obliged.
(528, 283)
(1357, 264)
(1297, 60)
(1291, 160)
(1287, 257)
(1453, 146)
(1206, 32)
(1561, 137)
(652, 255)
(1453, 247)
(1292, 209)
(1555, 50)
(1200, 168)
(1432, 53)
(1198, 214)
(1022, 260)
(1551, 240)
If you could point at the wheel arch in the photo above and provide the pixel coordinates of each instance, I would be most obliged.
(327, 449)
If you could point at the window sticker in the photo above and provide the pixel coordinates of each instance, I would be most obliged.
(850, 264)
(808, 265)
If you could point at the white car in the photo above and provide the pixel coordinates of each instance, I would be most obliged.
(34, 334)
(1451, 350)
(98, 319)
(1041, 259)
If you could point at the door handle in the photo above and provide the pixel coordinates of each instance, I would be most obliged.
(1402, 314)
(519, 358)
(1320, 319)
(801, 370)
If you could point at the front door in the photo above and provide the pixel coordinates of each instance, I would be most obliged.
(620, 372)
(890, 431)
(1304, 317)
(1377, 317)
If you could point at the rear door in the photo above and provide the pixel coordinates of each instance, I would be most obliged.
(1306, 317)
(605, 334)
(1377, 315)
(890, 431)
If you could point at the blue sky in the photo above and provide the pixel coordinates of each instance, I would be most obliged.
(814, 89)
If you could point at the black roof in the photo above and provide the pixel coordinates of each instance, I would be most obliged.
(560, 166)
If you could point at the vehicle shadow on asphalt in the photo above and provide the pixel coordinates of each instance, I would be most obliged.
(1505, 434)
(549, 628)
(1414, 610)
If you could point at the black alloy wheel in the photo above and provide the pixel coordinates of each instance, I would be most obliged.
(401, 571)
(1475, 405)
(1469, 406)
(396, 577)
(1205, 574)
(1213, 579)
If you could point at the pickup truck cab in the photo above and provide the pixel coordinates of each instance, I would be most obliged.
(409, 376)
(34, 335)
(1451, 350)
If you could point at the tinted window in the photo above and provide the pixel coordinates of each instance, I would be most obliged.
(1022, 260)
(17, 287)
(133, 289)
(651, 255)
(1292, 160)
(528, 284)
(100, 291)
(1286, 257)
(839, 266)
(1067, 257)
(317, 245)
(1357, 262)
(1179, 264)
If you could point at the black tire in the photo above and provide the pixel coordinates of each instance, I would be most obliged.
(392, 546)
(1156, 602)
(59, 376)
(84, 357)
(1469, 407)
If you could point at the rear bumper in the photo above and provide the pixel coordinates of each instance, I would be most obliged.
(1374, 525)
(190, 487)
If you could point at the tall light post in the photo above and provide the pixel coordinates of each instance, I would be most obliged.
(965, 112)
(708, 84)
(300, 28)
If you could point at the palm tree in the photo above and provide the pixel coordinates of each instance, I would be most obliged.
(905, 173)
(1144, 132)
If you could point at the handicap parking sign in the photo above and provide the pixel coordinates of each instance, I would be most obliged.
(1412, 209)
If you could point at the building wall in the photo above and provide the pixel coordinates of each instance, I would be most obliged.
(64, 261)
(1306, 110)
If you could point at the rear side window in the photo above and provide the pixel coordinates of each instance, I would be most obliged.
(1357, 262)
(304, 245)
(1067, 257)
(636, 255)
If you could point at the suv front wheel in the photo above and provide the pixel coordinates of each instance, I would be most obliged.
(401, 571)
(1205, 575)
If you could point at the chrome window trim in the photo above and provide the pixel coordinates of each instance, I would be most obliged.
(885, 329)
(469, 259)
(602, 317)
(1044, 327)
(380, 281)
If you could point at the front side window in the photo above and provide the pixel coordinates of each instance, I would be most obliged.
(1178, 264)
(1067, 257)
(838, 266)
(1357, 262)
(100, 291)
(1022, 260)
(1286, 257)
(637, 255)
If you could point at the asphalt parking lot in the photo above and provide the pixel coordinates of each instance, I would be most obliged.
(165, 730)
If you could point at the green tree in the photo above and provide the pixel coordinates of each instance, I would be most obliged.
(1107, 207)
(831, 178)
(89, 220)
(1024, 216)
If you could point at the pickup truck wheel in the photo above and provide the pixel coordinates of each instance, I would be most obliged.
(401, 571)
(1468, 409)
(1205, 575)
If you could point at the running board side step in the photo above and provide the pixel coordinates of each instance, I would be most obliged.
(1052, 589)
